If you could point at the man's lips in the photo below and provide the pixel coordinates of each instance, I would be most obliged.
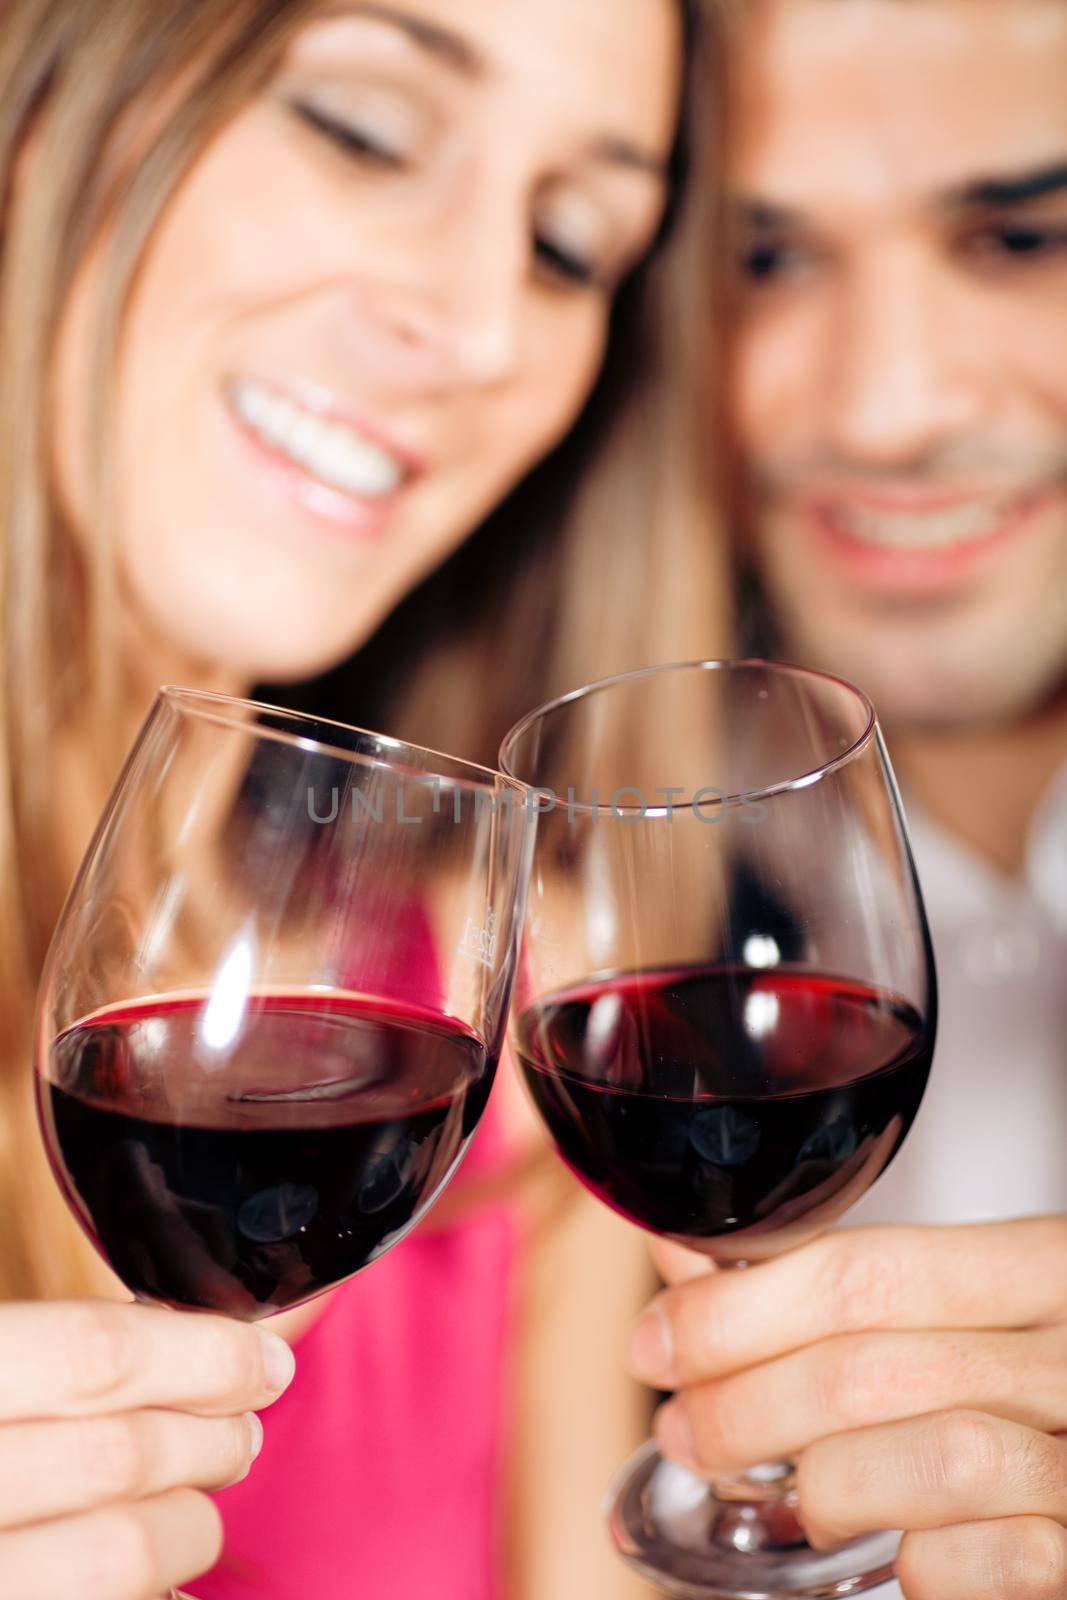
(918, 500)
(927, 541)
(921, 528)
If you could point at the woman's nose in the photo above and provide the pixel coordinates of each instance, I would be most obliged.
(454, 318)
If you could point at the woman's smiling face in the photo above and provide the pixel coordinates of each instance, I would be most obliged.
(379, 298)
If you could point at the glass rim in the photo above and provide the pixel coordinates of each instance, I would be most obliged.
(803, 780)
(213, 706)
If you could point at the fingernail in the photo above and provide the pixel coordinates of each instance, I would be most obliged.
(652, 1347)
(255, 1429)
(675, 1436)
(279, 1363)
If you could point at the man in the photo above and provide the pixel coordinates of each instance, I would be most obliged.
(899, 175)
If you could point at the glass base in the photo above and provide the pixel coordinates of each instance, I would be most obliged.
(680, 1535)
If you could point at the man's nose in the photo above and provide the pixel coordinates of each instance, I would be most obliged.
(904, 376)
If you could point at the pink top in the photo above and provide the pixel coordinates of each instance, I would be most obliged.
(380, 1469)
(380, 1472)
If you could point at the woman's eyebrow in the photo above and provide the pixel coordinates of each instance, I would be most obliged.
(441, 43)
(463, 57)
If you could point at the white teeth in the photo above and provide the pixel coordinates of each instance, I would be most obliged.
(336, 455)
(922, 530)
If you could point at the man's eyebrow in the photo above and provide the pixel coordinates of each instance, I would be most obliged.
(1009, 191)
(448, 47)
(764, 216)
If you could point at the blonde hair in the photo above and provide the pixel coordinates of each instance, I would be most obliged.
(623, 564)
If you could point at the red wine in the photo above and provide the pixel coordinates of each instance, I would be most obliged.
(735, 1110)
(245, 1175)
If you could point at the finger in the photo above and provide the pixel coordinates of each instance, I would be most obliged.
(850, 1281)
(1021, 1558)
(130, 1552)
(92, 1357)
(55, 1469)
(930, 1472)
(858, 1380)
(676, 1264)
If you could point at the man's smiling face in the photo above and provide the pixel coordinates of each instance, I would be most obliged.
(900, 173)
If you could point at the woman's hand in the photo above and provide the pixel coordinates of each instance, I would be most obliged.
(918, 1376)
(113, 1420)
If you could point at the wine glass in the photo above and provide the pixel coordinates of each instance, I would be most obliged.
(271, 1013)
(725, 1015)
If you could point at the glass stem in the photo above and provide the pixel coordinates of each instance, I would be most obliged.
(756, 1510)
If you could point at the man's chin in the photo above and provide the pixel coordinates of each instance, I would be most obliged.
(919, 692)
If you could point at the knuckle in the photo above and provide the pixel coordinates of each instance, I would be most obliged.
(233, 1359)
(718, 1425)
(849, 1383)
(119, 1558)
(1043, 1466)
(818, 1485)
(203, 1524)
(859, 1282)
(236, 1450)
(96, 1350)
(113, 1456)
(1054, 1231)
(913, 1568)
(830, 1478)
(1031, 1560)
(1047, 1352)
(696, 1319)
(961, 1450)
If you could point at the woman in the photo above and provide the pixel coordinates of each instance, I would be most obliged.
(292, 297)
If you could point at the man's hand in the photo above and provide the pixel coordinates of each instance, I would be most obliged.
(917, 1375)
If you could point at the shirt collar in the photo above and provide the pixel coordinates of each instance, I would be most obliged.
(1046, 850)
(955, 875)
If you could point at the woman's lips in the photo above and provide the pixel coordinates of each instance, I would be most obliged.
(918, 546)
(335, 468)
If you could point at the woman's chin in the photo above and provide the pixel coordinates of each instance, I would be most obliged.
(230, 658)
(296, 661)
